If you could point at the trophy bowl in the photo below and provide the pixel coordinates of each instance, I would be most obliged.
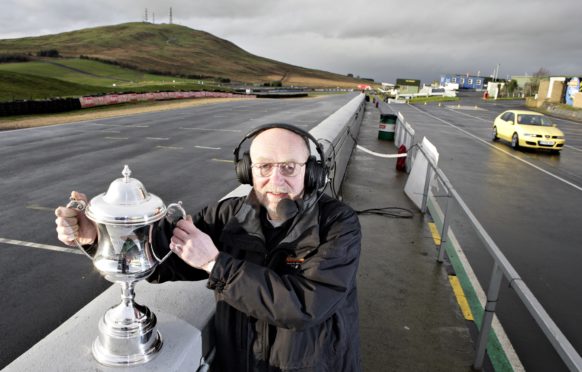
(127, 219)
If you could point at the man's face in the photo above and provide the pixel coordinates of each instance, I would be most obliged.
(278, 145)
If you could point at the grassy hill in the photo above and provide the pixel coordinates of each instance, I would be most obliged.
(172, 50)
(52, 77)
(15, 86)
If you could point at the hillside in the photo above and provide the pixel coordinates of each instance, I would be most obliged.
(23, 86)
(173, 50)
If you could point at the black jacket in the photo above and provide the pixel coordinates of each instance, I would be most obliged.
(288, 307)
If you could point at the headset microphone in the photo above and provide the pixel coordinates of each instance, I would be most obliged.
(287, 208)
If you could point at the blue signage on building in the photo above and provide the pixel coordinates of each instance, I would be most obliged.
(573, 87)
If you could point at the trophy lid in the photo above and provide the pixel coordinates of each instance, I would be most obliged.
(126, 202)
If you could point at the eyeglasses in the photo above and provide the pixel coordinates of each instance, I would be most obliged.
(287, 169)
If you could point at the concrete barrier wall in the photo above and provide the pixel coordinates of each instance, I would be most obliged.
(338, 133)
(184, 309)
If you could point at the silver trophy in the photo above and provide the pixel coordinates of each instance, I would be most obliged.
(128, 218)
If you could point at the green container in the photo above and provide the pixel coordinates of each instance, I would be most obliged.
(386, 127)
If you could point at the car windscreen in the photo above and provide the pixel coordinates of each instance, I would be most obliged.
(525, 119)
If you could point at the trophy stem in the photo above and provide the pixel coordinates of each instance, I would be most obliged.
(127, 293)
(127, 332)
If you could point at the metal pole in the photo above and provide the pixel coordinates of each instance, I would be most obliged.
(444, 232)
(426, 186)
(492, 296)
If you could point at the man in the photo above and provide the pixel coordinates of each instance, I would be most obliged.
(281, 261)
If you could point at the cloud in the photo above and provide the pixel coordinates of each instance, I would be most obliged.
(383, 40)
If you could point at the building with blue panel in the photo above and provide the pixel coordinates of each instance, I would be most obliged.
(465, 81)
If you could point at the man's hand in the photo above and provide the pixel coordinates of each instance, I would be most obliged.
(73, 224)
(192, 245)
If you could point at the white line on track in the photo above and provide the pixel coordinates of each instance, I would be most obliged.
(169, 147)
(117, 138)
(157, 138)
(39, 207)
(40, 246)
(223, 160)
(212, 130)
(107, 125)
(207, 148)
(498, 149)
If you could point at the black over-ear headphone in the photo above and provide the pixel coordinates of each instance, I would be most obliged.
(315, 170)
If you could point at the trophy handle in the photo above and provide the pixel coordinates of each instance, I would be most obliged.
(80, 206)
(174, 213)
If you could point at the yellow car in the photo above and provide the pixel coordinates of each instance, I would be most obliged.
(528, 129)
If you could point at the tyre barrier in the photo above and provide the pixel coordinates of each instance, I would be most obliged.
(47, 106)
(31, 107)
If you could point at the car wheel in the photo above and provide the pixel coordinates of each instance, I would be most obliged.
(515, 141)
(495, 137)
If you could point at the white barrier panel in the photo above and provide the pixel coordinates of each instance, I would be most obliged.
(416, 183)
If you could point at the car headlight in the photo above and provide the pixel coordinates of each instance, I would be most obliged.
(560, 137)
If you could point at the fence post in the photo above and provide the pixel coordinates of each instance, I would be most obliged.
(426, 187)
(444, 231)
(492, 296)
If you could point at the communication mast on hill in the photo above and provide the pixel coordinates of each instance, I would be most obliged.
(153, 17)
(170, 15)
(146, 15)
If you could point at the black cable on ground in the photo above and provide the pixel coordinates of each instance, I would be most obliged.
(392, 212)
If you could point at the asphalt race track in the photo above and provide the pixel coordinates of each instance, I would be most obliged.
(182, 155)
(529, 203)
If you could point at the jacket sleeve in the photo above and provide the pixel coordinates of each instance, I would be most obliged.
(209, 220)
(298, 300)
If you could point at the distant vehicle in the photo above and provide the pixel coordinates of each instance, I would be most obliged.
(528, 129)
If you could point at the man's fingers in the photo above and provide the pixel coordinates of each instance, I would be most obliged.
(67, 229)
(65, 212)
(78, 196)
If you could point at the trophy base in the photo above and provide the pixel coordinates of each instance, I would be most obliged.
(107, 357)
(127, 336)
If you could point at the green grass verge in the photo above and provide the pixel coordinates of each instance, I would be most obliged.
(17, 86)
(421, 100)
(88, 72)
(74, 77)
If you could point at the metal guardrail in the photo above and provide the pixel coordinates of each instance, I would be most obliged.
(501, 266)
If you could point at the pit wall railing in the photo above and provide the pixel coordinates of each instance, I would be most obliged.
(184, 310)
(445, 205)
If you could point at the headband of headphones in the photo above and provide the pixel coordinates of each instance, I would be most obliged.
(289, 127)
(315, 170)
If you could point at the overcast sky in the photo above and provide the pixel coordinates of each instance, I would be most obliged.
(382, 40)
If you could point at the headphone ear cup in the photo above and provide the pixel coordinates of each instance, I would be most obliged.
(314, 175)
(243, 170)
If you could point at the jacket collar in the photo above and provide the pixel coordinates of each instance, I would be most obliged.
(304, 231)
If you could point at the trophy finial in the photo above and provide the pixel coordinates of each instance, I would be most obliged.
(126, 173)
